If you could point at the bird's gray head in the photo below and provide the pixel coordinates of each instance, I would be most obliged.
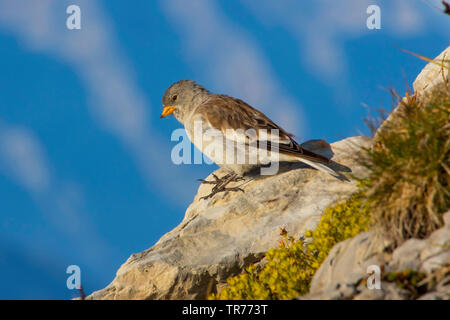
(181, 98)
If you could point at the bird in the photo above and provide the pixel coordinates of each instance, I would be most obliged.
(241, 128)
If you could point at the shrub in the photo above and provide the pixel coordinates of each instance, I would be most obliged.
(291, 266)
(409, 168)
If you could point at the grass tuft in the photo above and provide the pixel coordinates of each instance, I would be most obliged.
(409, 168)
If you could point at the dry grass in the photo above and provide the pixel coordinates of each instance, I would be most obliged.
(409, 168)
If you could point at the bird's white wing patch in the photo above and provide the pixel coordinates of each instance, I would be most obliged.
(258, 135)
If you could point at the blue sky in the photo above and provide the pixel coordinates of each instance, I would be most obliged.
(86, 176)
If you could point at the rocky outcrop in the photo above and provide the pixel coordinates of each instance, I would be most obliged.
(220, 236)
(432, 76)
(344, 272)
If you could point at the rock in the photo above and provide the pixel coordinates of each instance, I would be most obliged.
(432, 76)
(333, 278)
(426, 255)
(442, 289)
(343, 271)
(436, 253)
(407, 255)
(220, 236)
(388, 291)
(346, 265)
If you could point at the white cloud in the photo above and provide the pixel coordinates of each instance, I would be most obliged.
(23, 159)
(224, 55)
(231, 60)
(21, 152)
(406, 18)
(323, 27)
(115, 100)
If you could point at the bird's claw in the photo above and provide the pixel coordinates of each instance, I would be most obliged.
(216, 180)
(220, 184)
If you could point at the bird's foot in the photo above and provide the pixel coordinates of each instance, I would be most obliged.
(216, 180)
(214, 192)
(220, 184)
(231, 177)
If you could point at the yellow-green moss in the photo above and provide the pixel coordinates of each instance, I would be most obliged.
(291, 266)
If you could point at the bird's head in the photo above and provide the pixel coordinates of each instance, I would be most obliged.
(181, 98)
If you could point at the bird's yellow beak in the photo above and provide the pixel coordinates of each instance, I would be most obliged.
(167, 111)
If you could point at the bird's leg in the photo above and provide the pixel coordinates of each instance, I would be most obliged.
(220, 184)
(216, 180)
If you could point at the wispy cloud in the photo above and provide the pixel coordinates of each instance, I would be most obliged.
(115, 100)
(21, 153)
(228, 58)
(23, 159)
(323, 27)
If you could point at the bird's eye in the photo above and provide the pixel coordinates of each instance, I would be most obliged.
(174, 98)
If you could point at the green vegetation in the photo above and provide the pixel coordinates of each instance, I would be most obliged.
(409, 168)
(291, 266)
(404, 195)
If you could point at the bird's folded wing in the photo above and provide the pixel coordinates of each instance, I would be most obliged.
(238, 121)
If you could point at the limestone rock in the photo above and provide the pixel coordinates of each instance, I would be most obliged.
(346, 265)
(220, 236)
(433, 74)
(343, 271)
